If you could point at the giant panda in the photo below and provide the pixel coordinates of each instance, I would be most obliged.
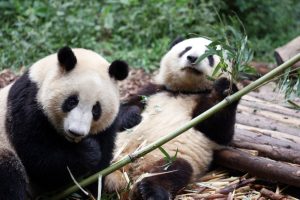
(60, 113)
(180, 92)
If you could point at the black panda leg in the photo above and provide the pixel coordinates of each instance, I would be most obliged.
(163, 186)
(220, 126)
(12, 176)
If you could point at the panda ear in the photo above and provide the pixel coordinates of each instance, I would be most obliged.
(66, 58)
(176, 41)
(118, 70)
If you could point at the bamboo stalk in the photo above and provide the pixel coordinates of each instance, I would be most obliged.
(228, 100)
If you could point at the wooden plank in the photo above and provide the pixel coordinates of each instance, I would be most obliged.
(258, 121)
(245, 135)
(270, 151)
(293, 121)
(274, 134)
(268, 106)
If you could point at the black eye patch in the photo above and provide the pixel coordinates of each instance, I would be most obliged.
(184, 51)
(70, 103)
(96, 111)
(211, 60)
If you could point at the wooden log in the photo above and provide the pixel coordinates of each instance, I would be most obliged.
(274, 134)
(253, 102)
(271, 195)
(254, 137)
(287, 51)
(257, 166)
(273, 152)
(292, 121)
(265, 123)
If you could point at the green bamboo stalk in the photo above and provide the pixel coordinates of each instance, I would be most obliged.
(228, 100)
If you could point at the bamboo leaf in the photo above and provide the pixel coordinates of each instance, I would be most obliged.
(167, 156)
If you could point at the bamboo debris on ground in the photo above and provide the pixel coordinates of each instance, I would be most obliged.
(271, 195)
(219, 184)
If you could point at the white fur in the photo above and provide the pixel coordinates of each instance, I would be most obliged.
(4, 142)
(174, 73)
(90, 79)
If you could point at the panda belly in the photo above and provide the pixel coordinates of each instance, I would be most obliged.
(164, 114)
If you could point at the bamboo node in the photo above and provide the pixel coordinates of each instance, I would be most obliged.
(228, 100)
(132, 157)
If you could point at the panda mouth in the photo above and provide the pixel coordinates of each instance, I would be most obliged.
(192, 69)
(72, 138)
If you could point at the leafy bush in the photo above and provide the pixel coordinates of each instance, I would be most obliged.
(269, 24)
(138, 31)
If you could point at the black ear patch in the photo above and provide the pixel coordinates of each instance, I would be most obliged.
(118, 70)
(176, 41)
(66, 58)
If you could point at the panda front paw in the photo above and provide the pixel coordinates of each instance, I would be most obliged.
(224, 87)
(145, 190)
(129, 117)
(88, 153)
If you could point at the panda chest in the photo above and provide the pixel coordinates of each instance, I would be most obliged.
(166, 112)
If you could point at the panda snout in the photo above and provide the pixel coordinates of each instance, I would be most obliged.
(192, 59)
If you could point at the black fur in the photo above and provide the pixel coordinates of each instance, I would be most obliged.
(164, 186)
(96, 111)
(220, 126)
(211, 60)
(130, 111)
(118, 70)
(12, 176)
(66, 58)
(70, 103)
(184, 51)
(42, 150)
(176, 41)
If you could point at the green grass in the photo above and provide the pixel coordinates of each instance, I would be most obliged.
(135, 30)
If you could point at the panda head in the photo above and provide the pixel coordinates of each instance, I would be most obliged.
(179, 70)
(77, 91)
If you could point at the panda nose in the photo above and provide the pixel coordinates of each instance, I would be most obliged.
(192, 59)
(75, 133)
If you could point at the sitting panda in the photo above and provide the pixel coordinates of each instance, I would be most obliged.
(181, 91)
(61, 113)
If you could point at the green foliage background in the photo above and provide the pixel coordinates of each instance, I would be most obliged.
(137, 31)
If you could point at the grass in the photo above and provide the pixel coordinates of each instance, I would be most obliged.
(136, 31)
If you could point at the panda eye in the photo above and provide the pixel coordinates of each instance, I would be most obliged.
(70, 103)
(96, 111)
(211, 60)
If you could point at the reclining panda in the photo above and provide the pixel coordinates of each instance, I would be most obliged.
(61, 113)
(181, 91)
